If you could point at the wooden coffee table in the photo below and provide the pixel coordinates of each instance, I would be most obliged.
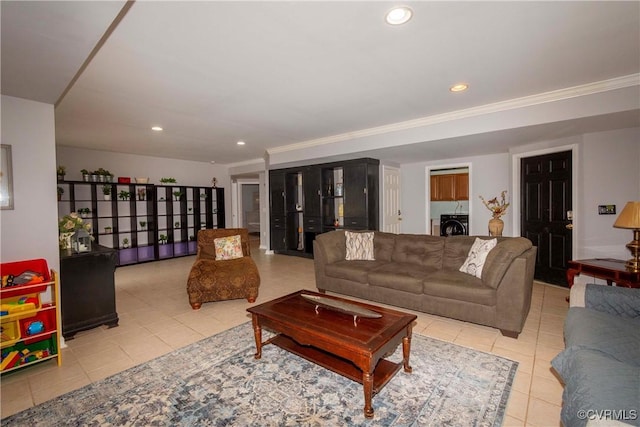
(354, 347)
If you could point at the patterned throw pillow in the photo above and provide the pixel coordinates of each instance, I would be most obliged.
(359, 246)
(228, 247)
(477, 256)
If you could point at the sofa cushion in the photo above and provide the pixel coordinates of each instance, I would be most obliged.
(501, 257)
(356, 271)
(456, 250)
(477, 257)
(595, 382)
(383, 245)
(422, 250)
(359, 246)
(459, 286)
(402, 276)
(616, 336)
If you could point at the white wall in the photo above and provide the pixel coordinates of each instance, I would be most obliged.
(30, 230)
(131, 165)
(610, 174)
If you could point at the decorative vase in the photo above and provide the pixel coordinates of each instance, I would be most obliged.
(496, 225)
(64, 240)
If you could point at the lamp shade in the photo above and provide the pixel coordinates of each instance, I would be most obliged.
(629, 217)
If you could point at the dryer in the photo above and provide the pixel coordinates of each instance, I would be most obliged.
(454, 225)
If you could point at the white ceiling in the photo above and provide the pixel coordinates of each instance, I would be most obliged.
(280, 73)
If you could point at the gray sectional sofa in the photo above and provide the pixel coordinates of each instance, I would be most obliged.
(420, 272)
(600, 365)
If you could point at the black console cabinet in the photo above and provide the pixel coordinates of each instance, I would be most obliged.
(87, 290)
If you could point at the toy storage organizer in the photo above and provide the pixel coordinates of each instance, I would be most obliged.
(30, 317)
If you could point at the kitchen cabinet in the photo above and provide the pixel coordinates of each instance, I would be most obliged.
(449, 187)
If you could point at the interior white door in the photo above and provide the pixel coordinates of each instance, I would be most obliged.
(391, 214)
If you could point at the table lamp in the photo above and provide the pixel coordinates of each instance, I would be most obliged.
(630, 218)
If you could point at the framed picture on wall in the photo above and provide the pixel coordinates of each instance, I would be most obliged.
(6, 178)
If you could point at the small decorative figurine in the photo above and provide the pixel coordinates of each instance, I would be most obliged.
(214, 182)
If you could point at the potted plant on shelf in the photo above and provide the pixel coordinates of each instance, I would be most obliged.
(85, 175)
(103, 175)
(177, 224)
(84, 212)
(125, 243)
(168, 181)
(163, 239)
(124, 195)
(143, 224)
(177, 195)
(60, 193)
(106, 192)
(61, 172)
(107, 230)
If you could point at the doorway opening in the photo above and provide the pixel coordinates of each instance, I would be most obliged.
(448, 208)
(250, 208)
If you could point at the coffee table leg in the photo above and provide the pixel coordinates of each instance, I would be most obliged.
(257, 333)
(367, 383)
(406, 350)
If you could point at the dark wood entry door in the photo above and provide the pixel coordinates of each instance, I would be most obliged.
(546, 200)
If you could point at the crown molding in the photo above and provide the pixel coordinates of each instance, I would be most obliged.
(512, 104)
(245, 163)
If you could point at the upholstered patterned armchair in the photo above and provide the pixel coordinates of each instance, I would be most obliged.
(214, 279)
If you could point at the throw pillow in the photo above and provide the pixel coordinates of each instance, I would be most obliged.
(228, 247)
(477, 256)
(359, 246)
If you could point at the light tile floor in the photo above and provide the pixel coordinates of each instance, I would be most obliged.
(156, 318)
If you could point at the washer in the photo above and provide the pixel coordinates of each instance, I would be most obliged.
(454, 225)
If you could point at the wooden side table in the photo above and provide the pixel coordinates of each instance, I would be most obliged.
(611, 270)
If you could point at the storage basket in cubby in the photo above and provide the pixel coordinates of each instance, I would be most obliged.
(10, 333)
(16, 310)
(16, 268)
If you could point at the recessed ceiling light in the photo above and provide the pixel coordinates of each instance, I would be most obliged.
(460, 87)
(212, 161)
(240, 142)
(398, 15)
(156, 128)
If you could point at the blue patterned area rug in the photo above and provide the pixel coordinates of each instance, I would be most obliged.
(217, 382)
